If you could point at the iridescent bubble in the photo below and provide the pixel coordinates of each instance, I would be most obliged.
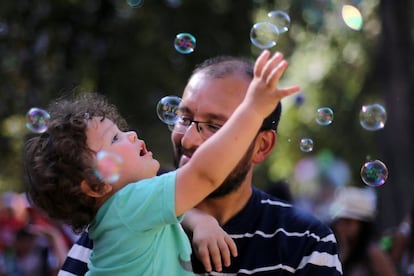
(306, 144)
(135, 3)
(372, 117)
(167, 109)
(324, 116)
(108, 166)
(374, 173)
(280, 19)
(37, 120)
(352, 17)
(184, 43)
(264, 35)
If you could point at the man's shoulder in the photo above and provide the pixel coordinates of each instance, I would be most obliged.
(288, 214)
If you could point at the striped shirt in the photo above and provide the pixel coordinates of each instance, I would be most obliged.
(272, 238)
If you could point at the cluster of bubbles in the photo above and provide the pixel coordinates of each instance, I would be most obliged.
(265, 34)
(324, 117)
(372, 117)
(108, 166)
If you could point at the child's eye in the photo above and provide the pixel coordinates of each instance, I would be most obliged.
(115, 138)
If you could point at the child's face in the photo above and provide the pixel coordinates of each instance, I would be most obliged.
(137, 162)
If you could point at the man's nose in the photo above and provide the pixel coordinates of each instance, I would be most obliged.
(191, 138)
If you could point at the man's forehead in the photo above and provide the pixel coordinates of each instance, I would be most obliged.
(202, 109)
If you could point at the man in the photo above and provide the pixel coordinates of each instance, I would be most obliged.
(272, 237)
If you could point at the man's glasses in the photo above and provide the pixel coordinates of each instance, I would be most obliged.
(205, 129)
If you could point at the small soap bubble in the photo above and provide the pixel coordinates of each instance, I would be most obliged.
(352, 17)
(184, 43)
(108, 166)
(306, 144)
(372, 117)
(280, 19)
(374, 173)
(37, 120)
(167, 109)
(135, 3)
(324, 116)
(264, 35)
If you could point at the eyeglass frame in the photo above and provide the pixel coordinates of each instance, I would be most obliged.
(199, 128)
(265, 126)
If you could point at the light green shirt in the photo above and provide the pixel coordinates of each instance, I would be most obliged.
(136, 232)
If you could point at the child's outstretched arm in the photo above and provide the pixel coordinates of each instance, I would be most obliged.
(211, 244)
(216, 157)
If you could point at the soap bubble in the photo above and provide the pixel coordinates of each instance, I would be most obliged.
(352, 17)
(264, 35)
(135, 3)
(306, 144)
(324, 116)
(372, 117)
(374, 173)
(108, 166)
(280, 19)
(167, 109)
(37, 120)
(185, 43)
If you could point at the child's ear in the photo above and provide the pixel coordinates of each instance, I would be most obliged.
(92, 193)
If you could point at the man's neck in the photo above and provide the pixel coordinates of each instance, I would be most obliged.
(225, 208)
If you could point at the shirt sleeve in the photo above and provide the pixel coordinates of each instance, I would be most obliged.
(76, 262)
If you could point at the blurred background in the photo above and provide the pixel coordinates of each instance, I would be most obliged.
(345, 54)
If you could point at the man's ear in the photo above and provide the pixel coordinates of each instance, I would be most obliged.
(92, 193)
(265, 141)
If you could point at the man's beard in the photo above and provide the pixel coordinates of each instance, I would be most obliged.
(235, 179)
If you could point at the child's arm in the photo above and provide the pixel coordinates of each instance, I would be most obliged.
(216, 157)
(209, 241)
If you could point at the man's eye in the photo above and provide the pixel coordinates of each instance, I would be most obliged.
(185, 121)
(213, 127)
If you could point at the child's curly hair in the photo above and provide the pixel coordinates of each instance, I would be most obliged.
(56, 162)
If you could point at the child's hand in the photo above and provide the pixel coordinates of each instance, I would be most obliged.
(211, 244)
(263, 93)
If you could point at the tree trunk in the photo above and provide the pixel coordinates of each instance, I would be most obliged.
(395, 69)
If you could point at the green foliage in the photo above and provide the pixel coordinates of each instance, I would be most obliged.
(48, 48)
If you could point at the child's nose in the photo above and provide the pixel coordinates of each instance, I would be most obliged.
(133, 137)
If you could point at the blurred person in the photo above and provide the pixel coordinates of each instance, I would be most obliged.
(31, 243)
(353, 215)
(401, 247)
(272, 237)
